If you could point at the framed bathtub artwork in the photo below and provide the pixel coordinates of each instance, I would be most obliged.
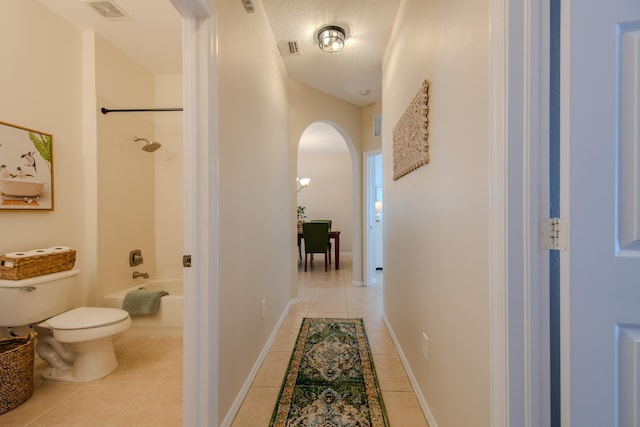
(26, 169)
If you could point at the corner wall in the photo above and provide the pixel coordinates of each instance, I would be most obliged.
(436, 228)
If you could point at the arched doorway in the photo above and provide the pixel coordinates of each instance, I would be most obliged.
(327, 156)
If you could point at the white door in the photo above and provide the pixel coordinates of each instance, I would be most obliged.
(600, 198)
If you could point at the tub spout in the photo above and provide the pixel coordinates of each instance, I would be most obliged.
(137, 274)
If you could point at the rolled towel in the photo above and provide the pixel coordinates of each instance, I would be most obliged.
(141, 302)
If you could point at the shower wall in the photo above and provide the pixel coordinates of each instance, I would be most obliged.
(168, 162)
(125, 172)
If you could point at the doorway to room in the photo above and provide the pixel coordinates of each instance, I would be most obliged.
(373, 243)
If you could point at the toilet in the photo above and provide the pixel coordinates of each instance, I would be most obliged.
(75, 342)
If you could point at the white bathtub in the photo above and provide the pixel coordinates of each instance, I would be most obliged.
(167, 322)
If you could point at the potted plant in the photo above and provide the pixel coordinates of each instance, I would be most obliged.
(301, 216)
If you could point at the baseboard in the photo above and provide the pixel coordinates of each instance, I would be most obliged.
(412, 379)
(358, 283)
(235, 406)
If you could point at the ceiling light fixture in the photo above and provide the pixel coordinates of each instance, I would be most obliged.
(331, 38)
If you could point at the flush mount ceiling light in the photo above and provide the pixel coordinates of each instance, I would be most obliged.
(331, 38)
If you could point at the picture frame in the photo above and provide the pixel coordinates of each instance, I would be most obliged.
(26, 169)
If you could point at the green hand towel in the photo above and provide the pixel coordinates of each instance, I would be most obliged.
(142, 302)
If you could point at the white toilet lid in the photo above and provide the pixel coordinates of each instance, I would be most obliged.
(87, 317)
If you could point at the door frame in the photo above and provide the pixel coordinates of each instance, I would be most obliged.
(368, 218)
(201, 194)
(519, 177)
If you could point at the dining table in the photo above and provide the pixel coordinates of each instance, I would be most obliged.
(333, 234)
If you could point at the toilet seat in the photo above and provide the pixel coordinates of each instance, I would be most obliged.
(87, 318)
(88, 323)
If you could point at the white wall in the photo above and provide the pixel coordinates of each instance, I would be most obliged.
(329, 196)
(436, 226)
(370, 142)
(255, 191)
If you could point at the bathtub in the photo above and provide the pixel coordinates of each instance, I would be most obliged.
(167, 322)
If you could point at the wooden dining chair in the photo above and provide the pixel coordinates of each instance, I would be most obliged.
(316, 240)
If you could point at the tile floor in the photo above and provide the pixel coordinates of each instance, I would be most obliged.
(146, 389)
(331, 294)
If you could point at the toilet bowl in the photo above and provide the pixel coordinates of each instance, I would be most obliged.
(77, 344)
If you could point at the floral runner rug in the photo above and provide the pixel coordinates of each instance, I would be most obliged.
(331, 380)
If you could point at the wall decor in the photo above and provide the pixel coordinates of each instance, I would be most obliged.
(26, 169)
(411, 135)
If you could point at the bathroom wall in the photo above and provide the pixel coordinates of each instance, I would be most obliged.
(39, 83)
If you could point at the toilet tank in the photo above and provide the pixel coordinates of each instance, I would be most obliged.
(29, 301)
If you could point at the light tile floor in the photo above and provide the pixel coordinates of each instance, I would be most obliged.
(146, 389)
(331, 294)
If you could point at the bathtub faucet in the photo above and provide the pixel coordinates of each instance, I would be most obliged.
(137, 274)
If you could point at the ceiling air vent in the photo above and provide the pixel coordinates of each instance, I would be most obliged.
(294, 47)
(249, 6)
(108, 9)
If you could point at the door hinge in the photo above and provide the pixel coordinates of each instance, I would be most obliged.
(186, 260)
(553, 234)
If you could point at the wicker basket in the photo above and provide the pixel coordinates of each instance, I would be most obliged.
(37, 265)
(16, 371)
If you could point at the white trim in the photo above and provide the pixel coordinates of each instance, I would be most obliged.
(499, 341)
(519, 268)
(412, 378)
(565, 188)
(235, 406)
(200, 348)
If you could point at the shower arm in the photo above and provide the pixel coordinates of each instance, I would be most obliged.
(107, 111)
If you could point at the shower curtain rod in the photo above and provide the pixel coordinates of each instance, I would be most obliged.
(106, 111)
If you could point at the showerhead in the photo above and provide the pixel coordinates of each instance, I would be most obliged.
(149, 146)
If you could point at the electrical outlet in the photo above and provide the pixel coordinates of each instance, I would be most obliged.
(263, 308)
(425, 346)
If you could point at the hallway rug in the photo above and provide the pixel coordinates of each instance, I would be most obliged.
(331, 380)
